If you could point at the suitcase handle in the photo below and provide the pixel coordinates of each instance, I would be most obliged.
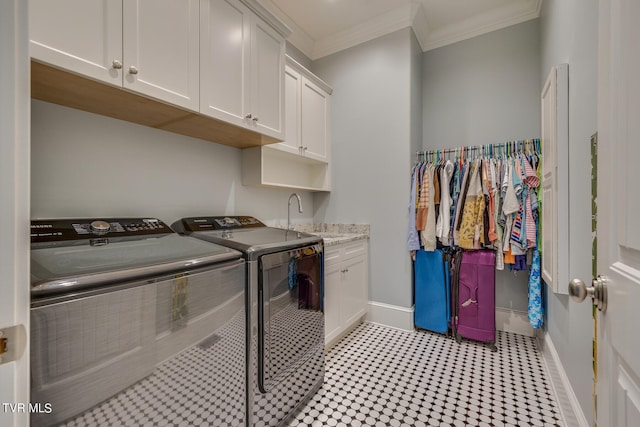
(469, 302)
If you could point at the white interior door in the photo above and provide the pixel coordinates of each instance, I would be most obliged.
(618, 385)
(14, 208)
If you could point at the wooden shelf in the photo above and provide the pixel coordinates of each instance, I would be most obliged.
(71, 90)
(270, 167)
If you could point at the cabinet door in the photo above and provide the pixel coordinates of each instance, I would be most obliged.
(87, 46)
(225, 37)
(332, 290)
(292, 83)
(161, 50)
(555, 180)
(314, 120)
(267, 95)
(354, 290)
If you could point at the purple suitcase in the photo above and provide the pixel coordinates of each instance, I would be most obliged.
(474, 297)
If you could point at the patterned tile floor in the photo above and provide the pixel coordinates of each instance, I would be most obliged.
(378, 376)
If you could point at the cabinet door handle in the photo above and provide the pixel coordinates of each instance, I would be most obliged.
(255, 119)
(116, 65)
(133, 70)
(248, 116)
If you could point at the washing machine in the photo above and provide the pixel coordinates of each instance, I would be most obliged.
(285, 286)
(133, 323)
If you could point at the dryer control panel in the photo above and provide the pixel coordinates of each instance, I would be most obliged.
(218, 223)
(58, 230)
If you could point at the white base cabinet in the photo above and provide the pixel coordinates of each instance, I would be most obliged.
(346, 287)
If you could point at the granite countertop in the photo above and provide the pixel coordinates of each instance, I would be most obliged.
(336, 234)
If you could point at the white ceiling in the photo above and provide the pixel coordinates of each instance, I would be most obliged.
(323, 27)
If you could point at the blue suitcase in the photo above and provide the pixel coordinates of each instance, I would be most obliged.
(432, 291)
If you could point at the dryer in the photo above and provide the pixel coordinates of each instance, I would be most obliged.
(285, 287)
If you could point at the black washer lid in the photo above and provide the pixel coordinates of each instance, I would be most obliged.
(61, 263)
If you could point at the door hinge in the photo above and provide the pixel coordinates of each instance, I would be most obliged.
(12, 343)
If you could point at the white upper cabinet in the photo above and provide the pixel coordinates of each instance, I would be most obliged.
(314, 120)
(302, 160)
(224, 60)
(242, 67)
(87, 46)
(308, 101)
(161, 50)
(147, 46)
(292, 83)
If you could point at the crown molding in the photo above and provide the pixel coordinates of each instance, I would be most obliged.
(381, 25)
(268, 16)
(512, 14)
(299, 38)
(411, 15)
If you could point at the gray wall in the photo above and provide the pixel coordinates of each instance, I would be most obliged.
(569, 30)
(481, 91)
(85, 165)
(371, 153)
(416, 99)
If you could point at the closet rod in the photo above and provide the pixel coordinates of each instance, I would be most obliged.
(514, 145)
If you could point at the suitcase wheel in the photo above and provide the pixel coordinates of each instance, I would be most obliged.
(493, 347)
(458, 338)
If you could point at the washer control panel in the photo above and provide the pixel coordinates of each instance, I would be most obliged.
(220, 223)
(75, 229)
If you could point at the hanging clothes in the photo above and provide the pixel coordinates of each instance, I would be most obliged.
(471, 224)
(421, 214)
(429, 232)
(535, 311)
(460, 204)
(492, 201)
(443, 229)
(532, 182)
(413, 238)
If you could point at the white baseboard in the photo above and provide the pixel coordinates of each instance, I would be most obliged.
(402, 318)
(508, 320)
(390, 315)
(567, 400)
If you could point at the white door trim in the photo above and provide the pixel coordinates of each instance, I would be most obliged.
(566, 397)
(14, 201)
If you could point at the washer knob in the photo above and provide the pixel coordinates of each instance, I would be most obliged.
(100, 226)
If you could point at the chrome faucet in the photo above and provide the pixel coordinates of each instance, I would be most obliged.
(289, 208)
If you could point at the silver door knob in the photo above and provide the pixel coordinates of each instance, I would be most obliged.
(133, 70)
(578, 291)
(116, 64)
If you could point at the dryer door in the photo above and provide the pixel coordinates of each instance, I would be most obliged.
(290, 312)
